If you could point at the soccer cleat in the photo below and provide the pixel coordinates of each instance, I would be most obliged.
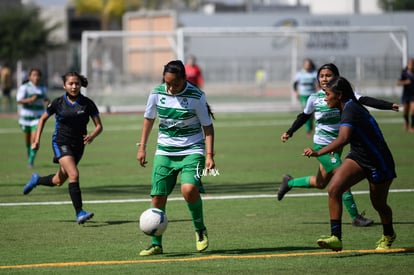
(83, 216)
(332, 242)
(385, 242)
(153, 249)
(31, 184)
(284, 187)
(201, 240)
(361, 221)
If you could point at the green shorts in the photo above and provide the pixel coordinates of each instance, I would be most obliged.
(166, 169)
(329, 161)
(28, 129)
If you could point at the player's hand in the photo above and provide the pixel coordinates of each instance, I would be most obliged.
(210, 164)
(87, 139)
(309, 152)
(141, 157)
(35, 145)
(284, 137)
(395, 107)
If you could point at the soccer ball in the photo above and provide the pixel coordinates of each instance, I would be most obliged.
(153, 222)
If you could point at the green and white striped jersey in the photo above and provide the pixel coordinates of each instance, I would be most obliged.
(327, 120)
(30, 113)
(181, 117)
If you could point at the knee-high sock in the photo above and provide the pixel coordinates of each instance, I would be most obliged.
(46, 180)
(157, 240)
(336, 228)
(76, 196)
(303, 182)
(350, 205)
(196, 211)
(32, 155)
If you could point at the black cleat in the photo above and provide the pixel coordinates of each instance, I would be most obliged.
(284, 187)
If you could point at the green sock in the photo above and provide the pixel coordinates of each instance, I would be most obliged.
(32, 155)
(350, 205)
(157, 240)
(196, 211)
(303, 182)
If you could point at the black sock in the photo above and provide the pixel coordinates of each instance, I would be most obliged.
(405, 119)
(388, 229)
(76, 196)
(412, 121)
(46, 180)
(336, 228)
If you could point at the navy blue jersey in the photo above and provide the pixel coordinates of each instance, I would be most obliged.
(368, 146)
(71, 118)
(408, 90)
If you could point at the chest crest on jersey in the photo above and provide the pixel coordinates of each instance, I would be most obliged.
(184, 102)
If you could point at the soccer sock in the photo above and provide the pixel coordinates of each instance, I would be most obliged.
(350, 205)
(336, 228)
(76, 196)
(32, 155)
(412, 121)
(309, 125)
(303, 182)
(157, 240)
(46, 180)
(388, 229)
(406, 119)
(196, 211)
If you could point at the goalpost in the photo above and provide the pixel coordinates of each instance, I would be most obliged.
(123, 66)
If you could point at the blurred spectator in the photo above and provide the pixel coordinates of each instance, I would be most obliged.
(193, 72)
(6, 83)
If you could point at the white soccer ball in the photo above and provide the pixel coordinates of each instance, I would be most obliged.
(153, 222)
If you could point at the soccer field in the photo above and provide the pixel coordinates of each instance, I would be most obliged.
(249, 230)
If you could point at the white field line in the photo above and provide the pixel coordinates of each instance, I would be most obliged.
(205, 197)
(217, 124)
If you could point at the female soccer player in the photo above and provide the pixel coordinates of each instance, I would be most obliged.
(369, 158)
(305, 84)
(32, 97)
(185, 135)
(407, 81)
(326, 130)
(72, 112)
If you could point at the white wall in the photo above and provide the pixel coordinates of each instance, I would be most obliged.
(344, 6)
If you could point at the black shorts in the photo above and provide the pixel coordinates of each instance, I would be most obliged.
(407, 97)
(375, 173)
(61, 150)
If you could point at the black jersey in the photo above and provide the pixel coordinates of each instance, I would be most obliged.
(408, 90)
(71, 118)
(368, 146)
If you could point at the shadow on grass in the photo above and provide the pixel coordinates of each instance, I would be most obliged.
(261, 250)
(211, 189)
(95, 223)
(245, 251)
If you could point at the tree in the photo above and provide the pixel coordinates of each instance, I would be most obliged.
(23, 35)
(396, 5)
